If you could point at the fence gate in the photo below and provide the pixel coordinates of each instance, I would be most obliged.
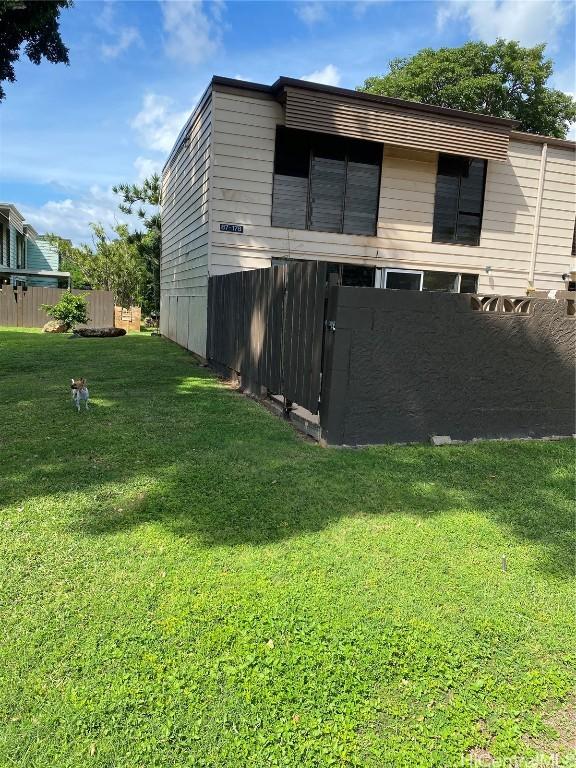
(267, 325)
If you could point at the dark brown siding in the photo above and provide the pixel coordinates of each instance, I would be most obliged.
(345, 116)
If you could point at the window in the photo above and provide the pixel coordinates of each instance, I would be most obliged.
(353, 275)
(325, 183)
(20, 252)
(440, 281)
(459, 200)
(2, 245)
(468, 283)
(420, 280)
(403, 279)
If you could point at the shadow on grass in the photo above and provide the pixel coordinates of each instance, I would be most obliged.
(187, 453)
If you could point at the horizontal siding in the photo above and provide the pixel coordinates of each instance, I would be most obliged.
(41, 254)
(241, 193)
(243, 152)
(185, 236)
(42, 282)
(557, 216)
(331, 113)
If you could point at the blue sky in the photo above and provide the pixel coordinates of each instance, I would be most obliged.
(67, 134)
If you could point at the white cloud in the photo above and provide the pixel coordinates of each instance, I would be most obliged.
(158, 123)
(330, 75)
(71, 218)
(119, 38)
(146, 166)
(192, 29)
(105, 19)
(124, 39)
(310, 13)
(361, 6)
(528, 22)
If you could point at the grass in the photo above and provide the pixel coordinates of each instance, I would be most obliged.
(184, 581)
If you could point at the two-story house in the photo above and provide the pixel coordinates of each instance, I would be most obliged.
(26, 258)
(391, 193)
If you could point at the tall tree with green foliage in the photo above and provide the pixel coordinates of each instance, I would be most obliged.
(31, 26)
(109, 264)
(144, 200)
(503, 80)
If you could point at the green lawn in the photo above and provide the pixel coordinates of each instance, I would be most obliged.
(187, 582)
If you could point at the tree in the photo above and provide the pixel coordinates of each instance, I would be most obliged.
(66, 261)
(34, 24)
(109, 264)
(502, 80)
(144, 200)
(71, 310)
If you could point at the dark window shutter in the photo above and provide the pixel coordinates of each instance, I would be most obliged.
(327, 189)
(325, 183)
(361, 200)
(290, 202)
(291, 167)
(445, 209)
(459, 200)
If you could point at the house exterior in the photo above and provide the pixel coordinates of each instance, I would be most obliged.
(26, 258)
(389, 193)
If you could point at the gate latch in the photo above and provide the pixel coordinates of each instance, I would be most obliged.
(331, 325)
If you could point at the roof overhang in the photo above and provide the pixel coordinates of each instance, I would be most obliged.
(33, 272)
(15, 218)
(344, 112)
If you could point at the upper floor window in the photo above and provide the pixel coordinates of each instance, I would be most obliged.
(325, 183)
(459, 200)
(20, 251)
(2, 244)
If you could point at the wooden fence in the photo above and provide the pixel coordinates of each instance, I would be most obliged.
(267, 325)
(20, 307)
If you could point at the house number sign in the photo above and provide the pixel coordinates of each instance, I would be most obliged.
(232, 228)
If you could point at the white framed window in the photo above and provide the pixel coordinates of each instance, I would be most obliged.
(400, 279)
(424, 280)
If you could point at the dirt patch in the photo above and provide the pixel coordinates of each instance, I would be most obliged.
(478, 756)
(561, 738)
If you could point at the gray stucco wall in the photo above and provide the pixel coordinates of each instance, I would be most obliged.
(402, 366)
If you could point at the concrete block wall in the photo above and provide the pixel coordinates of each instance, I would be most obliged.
(402, 366)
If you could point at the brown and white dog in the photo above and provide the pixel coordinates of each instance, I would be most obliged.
(79, 393)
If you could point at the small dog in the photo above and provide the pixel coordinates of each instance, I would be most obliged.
(79, 393)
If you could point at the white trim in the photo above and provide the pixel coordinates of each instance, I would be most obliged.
(33, 272)
(536, 230)
(387, 270)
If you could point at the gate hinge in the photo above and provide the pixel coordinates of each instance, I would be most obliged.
(331, 325)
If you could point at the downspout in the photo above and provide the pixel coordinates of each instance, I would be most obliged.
(536, 230)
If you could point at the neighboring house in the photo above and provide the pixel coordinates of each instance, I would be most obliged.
(27, 258)
(393, 194)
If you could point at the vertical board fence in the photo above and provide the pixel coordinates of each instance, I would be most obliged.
(21, 307)
(267, 325)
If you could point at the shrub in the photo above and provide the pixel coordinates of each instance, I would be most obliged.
(71, 310)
